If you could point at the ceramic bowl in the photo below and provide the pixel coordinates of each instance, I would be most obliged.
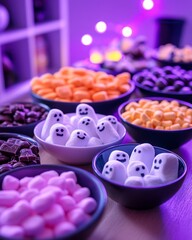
(85, 179)
(23, 127)
(138, 197)
(74, 155)
(101, 107)
(169, 139)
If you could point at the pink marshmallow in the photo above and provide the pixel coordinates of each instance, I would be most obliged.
(67, 203)
(38, 182)
(33, 225)
(81, 193)
(43, 202)
(57, 181)
(8, 198)
(64, 228)
(46, 234)
(12, 232)
(49, 174)
(69, 174)
(77, 216)
(58, 192)
(88, 205)
(28, 194)
(24, 181)
(70, 185)
(10, 183)
(54, 215)
(2, 209)
(15, 215)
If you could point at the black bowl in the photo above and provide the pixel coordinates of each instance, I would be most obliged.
(25, 128)
(138, 197)
(102, 107)
(85, 179)
(169, 139)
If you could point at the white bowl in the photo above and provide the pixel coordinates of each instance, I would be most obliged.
(74, 155)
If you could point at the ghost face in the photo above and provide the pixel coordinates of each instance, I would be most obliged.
(83, 109)
(111, 119)
(101, 127)
(115, 171)
(81, 135)
(137, 168)
(78, 138)
(120, 156)
(55, 116)
(59, 134)
(165, 166)
(143, 152)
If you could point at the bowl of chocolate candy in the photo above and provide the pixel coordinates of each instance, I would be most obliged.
(139, 176)
(75, 138)
(71, 86)
(168, 81)
(21, 117)
(164, 122)
(50, 202)
(17, 150)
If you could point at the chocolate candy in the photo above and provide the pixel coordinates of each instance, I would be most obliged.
(166, 79)
(16, 152)
(18, 114)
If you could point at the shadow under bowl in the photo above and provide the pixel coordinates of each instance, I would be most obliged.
(85, 179)
(138, 197)
(169, 139)
(74, 155)
(102, 107)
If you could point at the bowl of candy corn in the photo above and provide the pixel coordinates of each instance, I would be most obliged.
(140, 176)
(50, 202)
(164, 122)
(75, 138)
(70, 86)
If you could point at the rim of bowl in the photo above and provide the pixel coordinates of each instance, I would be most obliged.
(18, 135)
(101, 189)
(44, 106)
(75, 147)
(121, 107)
(98, 173)
(129, 92)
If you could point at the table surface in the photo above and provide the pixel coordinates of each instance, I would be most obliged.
(170, 221)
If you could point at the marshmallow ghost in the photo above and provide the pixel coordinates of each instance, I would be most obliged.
(145, 153)
(115, 170)
(152, 180)
(54, 116)
(83, 110)
(165, 166)
(59, 134)
(94, 141)
(120, 156)
(137, 168)
(88, 125)
(134, 181)
(78, 138)
(106, 132)
(112, 119)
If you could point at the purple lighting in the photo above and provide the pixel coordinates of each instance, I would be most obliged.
(148, 4)
(101, 27)
(127, 31)
(86, 39)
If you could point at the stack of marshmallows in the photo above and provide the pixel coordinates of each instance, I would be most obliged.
(82, 129)
(142, 168)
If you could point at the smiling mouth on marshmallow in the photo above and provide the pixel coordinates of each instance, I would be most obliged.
(121, 160)
(81, 137)
(59, 135)
(101, 129)
(156, 167)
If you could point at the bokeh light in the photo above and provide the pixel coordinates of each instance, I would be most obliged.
(101, 27)
(127, 31)
(86, 39)
(148, 4)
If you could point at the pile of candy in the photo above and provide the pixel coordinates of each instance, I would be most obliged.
(159, 115)
(19, 114)
(83, 129)
(142, 168)
(16, 152)
(48, 205)
(80, 85)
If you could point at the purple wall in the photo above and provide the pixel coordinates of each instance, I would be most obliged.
(83, 15)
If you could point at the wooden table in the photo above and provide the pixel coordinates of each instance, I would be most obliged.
(171, 221)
